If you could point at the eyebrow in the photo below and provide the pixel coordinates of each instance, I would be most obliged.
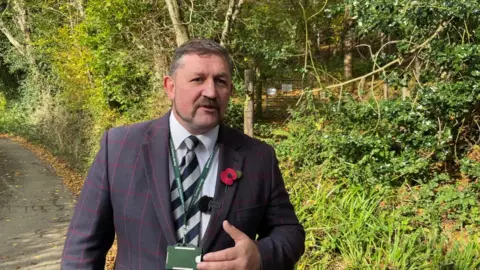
(220, 75)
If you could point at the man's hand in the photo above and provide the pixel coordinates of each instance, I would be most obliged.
(243, 256)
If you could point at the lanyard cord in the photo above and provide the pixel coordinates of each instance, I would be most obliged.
(202, 178)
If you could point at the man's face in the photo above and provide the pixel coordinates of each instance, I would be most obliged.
(200, 90)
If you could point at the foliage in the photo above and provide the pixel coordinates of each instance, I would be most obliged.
(258, 44)
(111, 31)
(3, 103)
(384, 184)
(354, 227)
(13, 120)
(394, 181)
(234, 115)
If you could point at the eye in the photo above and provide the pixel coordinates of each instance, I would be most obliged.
(220, 81)
(198, 79)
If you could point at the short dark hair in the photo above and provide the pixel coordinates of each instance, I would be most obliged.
(200, 47)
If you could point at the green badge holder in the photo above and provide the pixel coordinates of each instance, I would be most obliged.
(183, 257)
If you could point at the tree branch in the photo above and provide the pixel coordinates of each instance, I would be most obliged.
(396, 61)
(426, 42)
(10, 38)
(230, 18)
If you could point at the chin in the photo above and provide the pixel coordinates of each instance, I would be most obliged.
(205, 126)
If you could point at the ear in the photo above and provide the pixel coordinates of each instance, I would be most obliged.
(169, 85)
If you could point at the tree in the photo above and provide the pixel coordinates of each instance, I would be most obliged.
(230, 17)
(181, 31)
(22, 43)
(347, 44)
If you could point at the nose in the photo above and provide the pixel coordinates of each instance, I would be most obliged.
(209, 89)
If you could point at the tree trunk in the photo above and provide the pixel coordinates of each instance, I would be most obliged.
(347, 45)
(160, 63)
(79, 6)
(181, 31)
(230, 17)
(258, 94)
(19, 8)
(228, 20)
(318, 42)
(237, 11)
(347, 59)
(10, 38)
(387, 51)
(248, 107)
(385, 90)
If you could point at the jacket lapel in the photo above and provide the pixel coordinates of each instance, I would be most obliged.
(228, 157)
(155, 154)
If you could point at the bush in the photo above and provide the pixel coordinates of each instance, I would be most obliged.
(389, 143)
(234, 115)
(3, 103)
(389, 184)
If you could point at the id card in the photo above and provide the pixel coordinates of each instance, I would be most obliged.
(183, 257)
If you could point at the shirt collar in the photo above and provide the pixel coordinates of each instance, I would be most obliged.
(179, 134)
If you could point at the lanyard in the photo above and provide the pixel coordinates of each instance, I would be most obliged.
(203, 176)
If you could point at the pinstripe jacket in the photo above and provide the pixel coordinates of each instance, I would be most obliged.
(127, 193)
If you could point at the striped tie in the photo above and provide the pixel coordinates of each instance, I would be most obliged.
(190, 172)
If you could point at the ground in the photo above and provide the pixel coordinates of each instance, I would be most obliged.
(58, 170)
(35, 210)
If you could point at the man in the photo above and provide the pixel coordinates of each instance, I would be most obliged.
(145, 176)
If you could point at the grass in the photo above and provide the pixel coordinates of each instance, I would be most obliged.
(351, 227)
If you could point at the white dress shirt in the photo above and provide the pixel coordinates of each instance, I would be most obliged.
(203, 152)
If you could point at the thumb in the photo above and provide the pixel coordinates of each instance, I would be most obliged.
(234, 233)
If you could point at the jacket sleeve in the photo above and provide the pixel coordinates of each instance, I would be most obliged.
(91, 231)
(281, 239)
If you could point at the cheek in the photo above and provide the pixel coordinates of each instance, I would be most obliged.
(185, 99)
(224, 97)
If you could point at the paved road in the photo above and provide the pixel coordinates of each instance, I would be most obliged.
(35, 209)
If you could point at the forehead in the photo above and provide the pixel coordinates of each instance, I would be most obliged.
(207, 64)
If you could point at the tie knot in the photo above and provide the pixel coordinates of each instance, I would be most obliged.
(191, 142)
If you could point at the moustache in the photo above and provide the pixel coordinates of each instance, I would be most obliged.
(205, 102)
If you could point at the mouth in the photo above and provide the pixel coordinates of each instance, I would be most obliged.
(209, 108)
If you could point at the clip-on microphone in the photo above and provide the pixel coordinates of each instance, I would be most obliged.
(206, 203)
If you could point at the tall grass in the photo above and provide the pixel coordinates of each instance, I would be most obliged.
(351, 227)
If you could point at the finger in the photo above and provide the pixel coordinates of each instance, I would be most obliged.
(228, 254)
(228, 265)
(234, 233)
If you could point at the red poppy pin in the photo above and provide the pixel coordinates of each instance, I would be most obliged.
(229, 175)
